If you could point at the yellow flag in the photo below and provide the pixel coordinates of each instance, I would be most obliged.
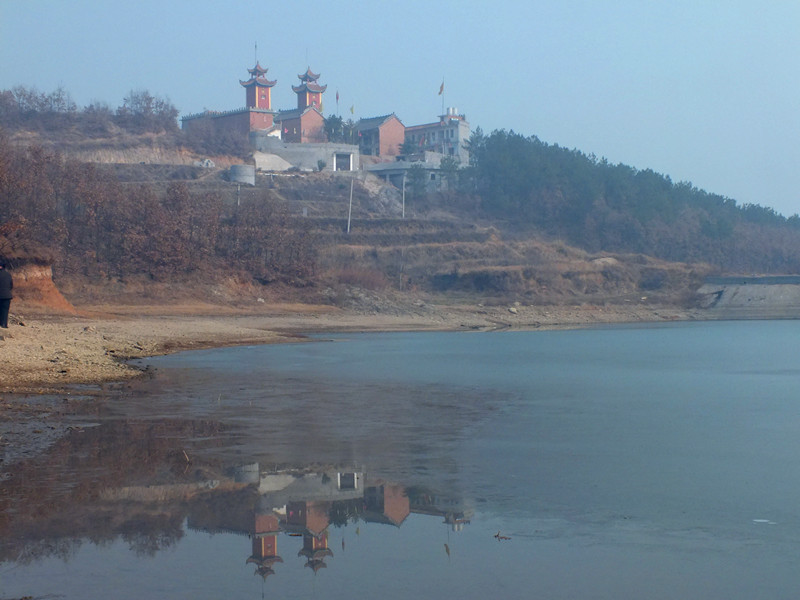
(352, 109)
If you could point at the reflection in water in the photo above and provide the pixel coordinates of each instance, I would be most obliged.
(621, 463)
(134, 481)
(307, 504)
(93, 484)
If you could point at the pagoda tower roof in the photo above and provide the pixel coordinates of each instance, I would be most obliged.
(309, 75)
(308, 83)
(258, 70)
(258, 77)
(310, 86)
(317, 554)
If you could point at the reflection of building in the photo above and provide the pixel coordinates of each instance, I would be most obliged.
(265, 544)
(307, 517)
(310, 519)
(386, 503)
(305, 505)
(315, 549)
(455, 511)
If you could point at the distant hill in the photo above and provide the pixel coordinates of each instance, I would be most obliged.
(595, 205)
(118, 205)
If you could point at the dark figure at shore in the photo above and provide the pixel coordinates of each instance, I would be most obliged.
(6, 285)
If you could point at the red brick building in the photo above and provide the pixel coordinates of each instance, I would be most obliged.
(257, 113)
(381, 136)
(305, 124)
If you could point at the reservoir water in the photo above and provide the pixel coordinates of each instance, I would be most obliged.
(621, 462)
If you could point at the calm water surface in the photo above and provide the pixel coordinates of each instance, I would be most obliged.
(628, 462)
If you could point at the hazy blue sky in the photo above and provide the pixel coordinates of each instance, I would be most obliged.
(703, 91)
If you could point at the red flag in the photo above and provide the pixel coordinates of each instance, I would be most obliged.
(441, 88)
(337, 96)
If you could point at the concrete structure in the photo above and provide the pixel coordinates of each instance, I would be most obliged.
(768, 297)
(447, 136)
(270, 162)
(395, 172)
(307, 156)
(380, 136)
(244, 174)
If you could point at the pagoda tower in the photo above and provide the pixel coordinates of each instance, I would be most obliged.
(258, 88)
(309, 92)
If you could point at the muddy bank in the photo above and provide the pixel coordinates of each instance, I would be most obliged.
(58, 369)
(43, 353)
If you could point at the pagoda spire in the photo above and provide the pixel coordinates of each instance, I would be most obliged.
(309, 92)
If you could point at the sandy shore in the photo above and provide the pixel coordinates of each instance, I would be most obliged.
(43, 353)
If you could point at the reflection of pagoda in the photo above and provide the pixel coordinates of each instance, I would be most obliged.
(311, 519)
(315, 549)
(386, 503)
(265, 545)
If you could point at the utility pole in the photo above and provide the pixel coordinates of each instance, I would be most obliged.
(350, 208)
(404, 194)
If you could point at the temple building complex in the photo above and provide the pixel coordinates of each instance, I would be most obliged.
(297, 136)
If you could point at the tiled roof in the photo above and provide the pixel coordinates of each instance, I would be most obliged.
(373, 122)
(258, 81)
(310, 86)
(294, 113)
(308, 75)
(258, 70)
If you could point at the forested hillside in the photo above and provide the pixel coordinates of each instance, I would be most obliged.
(596, 205)
(89, 224)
